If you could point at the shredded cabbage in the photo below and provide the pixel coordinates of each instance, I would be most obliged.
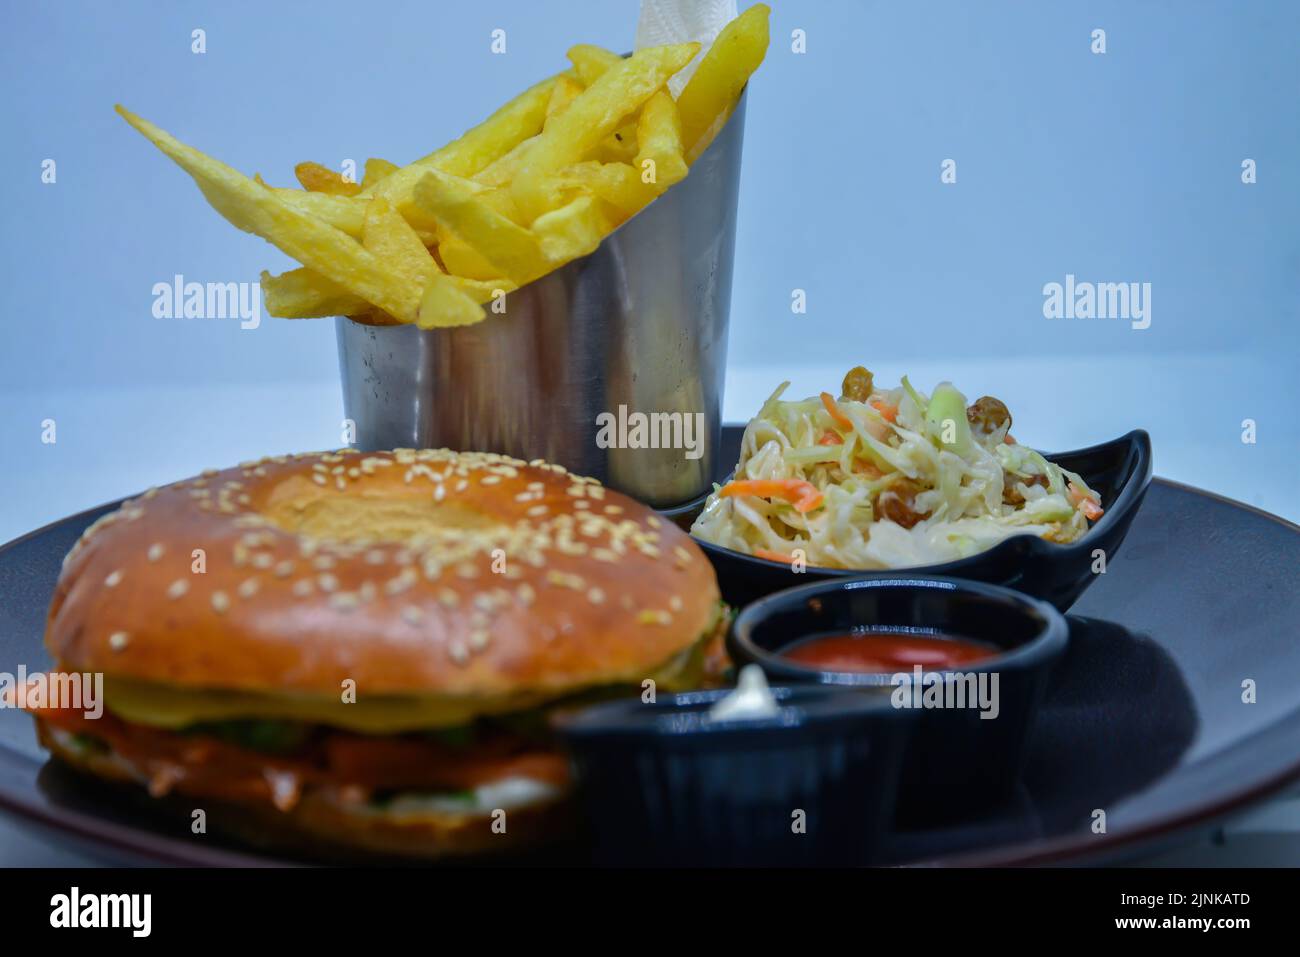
(911, 480)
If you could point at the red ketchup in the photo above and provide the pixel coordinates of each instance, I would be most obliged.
(886, 651)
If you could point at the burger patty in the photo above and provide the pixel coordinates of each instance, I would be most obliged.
(204, 761)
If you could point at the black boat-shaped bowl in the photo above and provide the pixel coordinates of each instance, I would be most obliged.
(1119, 470)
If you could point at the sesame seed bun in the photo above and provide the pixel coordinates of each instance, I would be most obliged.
(411, 573)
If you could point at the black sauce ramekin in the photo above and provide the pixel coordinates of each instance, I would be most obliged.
(962, 758)
(664, 785)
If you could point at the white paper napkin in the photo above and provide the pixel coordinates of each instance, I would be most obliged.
(681, 21)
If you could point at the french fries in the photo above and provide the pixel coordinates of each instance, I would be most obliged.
(659, 138)
(254, 208)
(542, 181)
(445, 304)
(510, 247)
(462, 259)
(391, 239)
(376, 170)
(599, 111)
(515, 122)
(573, 230)
(303, 293)
(564, 92)
(706, 101)
(618, 184)
(591, 61)
(319, 179)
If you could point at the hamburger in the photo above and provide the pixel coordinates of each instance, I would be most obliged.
(361, 648)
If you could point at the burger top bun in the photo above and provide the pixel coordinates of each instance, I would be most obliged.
(410, 572)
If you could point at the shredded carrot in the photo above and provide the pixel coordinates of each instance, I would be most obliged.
(774, 556)
(835, 411)
(887, 412)
(1008, 439)
(1084, 502)
(802, 495)
(830, 437)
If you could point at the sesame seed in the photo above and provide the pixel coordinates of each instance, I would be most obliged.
(395, 586)
(113, 579)
(220, 602)
(675, 603)
(177, 588)
(478, 639)
(344, 601)
(458, 652)
(596, 596)
(263, 560)
(537, 511)
(327, 582)
(319, 479)
(412, 615)
(565, 580)
(118, 640)
(375, 557)
(654, 522)
(303, 587)
(248, 587)
(284, 569)
(323, 562)
(155, 552)
(613, 509)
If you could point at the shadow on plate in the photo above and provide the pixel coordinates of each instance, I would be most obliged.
(1117, 716)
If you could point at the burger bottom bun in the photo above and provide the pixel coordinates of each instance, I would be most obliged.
(321, 828)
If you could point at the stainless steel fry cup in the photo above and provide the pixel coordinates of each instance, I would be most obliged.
(597, 366)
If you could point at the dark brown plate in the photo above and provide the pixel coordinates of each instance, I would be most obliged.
(1144, 718)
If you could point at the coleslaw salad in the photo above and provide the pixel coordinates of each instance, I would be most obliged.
(889, 478)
